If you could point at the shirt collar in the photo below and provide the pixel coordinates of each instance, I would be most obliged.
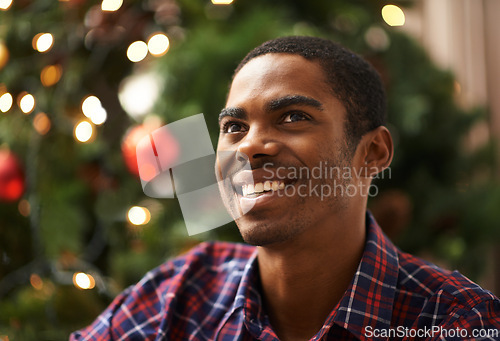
(248, 301)
(368, 301)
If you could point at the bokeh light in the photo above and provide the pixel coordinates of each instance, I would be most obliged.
(6, 102)
(93, 109)
(50, 75)
(138, 215)
(111, 5)
(222, 2)
(393, 15)
(138, 93)
(26, 102)
(24, 207)
(4, 55)
(89, 104)
(43, 42)
(137, 51)
(83, 281)
(158, 44)
(99, 116)
(377, 38)
(36, 282)
(5, 4)
(41, 123)
(83, 131)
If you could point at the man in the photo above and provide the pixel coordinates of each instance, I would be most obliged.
(308, 115)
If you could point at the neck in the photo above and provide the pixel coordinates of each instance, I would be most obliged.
(304, 279)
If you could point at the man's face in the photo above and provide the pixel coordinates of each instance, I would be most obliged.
(282, 115)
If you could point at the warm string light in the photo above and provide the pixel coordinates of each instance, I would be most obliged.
(393, 15)
(158, 44)
(83, 281)
(84, 131)
(43, 42)
(137, 51)
(42, 123)
(138, 215)
(93, 109)
(36, 282)
(26, 102)
(50, 75)
(5, 4)
(6, 102)
(222, 2)
(111, 5)
(4, 54)
(138, 93)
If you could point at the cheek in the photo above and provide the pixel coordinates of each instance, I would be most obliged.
(223, 144)
(313, 148)
(335, 153)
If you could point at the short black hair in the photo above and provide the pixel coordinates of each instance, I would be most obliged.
(352, 79)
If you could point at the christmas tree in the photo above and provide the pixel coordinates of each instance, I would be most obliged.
(82, 81)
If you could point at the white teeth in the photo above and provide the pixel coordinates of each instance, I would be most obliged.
(259, 187)
(250, 189)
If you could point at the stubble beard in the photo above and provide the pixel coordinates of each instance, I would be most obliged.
(302, 213)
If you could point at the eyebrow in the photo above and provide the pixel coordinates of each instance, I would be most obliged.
(233, 112)
(283, 102)
(273, 105)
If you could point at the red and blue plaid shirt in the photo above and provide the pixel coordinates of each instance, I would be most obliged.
(212, 293)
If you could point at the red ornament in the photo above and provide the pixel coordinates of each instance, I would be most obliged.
(167, 149)
(12, 180)
(129, 144)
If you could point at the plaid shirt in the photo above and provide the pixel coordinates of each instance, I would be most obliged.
(211, 293)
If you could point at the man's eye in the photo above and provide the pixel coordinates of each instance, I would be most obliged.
(295, 117)
(232, 127)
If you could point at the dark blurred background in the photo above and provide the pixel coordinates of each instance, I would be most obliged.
(82, 81)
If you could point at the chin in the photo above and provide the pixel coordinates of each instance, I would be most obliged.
(265, 234)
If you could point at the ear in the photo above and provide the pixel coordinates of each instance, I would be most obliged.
(375, 151)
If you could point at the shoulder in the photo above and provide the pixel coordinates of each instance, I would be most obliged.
(204, 263)
(213, 257)
(176, 287)
(441, 296)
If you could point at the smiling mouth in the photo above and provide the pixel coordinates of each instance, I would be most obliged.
(261, 188)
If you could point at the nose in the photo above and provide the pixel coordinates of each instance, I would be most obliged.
(259, 142)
